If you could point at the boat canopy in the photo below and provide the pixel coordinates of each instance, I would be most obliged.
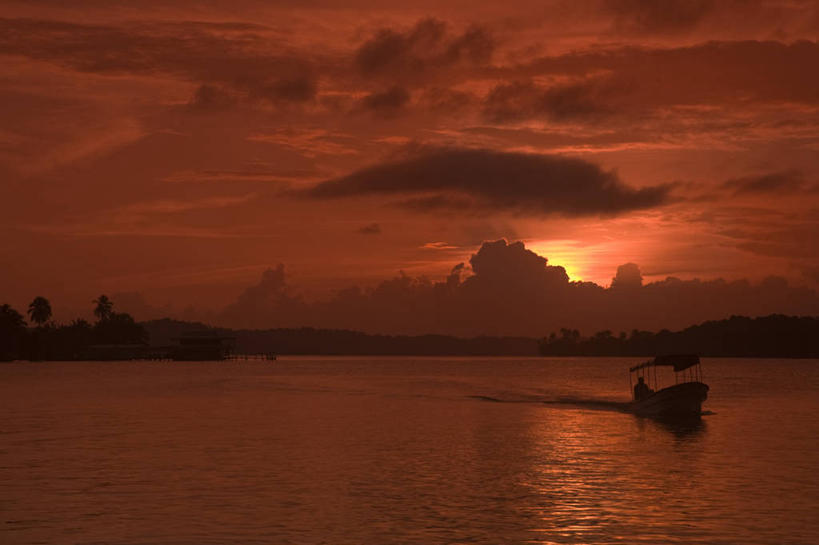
(679, 362)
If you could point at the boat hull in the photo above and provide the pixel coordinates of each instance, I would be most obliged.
(680, 400)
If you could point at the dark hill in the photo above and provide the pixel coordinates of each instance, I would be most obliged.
(738, 336)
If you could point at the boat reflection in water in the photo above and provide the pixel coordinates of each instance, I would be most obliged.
(678, 402)
(682, 428)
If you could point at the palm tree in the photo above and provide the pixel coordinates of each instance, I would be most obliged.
(79, 323)
(39, 310)
(104, 307)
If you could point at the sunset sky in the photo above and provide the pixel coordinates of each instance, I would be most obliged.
(179, 149)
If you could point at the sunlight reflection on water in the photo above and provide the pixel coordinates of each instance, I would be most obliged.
(398, 450)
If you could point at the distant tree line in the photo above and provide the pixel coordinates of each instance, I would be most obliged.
(48, 340)
(312, 341)
(345, 342)
(770, 336)
(738, 336)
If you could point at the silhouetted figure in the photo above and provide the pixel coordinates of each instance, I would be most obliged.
(641, 390)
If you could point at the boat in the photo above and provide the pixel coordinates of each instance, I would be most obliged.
(682, 399)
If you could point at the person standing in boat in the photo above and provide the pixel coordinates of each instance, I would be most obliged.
(641, 390)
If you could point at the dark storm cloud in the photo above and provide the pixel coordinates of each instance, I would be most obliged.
(513, 291)
(226, 54)
(773, 182)
(493, 180)
(426, 46)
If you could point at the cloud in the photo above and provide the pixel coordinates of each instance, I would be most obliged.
(513, 291)
(298, 87)
(210, 98)
(522, 100)
(255, 172)
(386, 102)
(625, 80)
(439, 245)
(812, 274)
(425, 47)
(134, 303)
(438, 203)
(796, 241)
(507, 264)
(445, 101)
(219, 56)
(657, 16)
(492, 180)
(444, 68)
(268, 302)
(172, 206)
(370, 229)
(773, 182)
(628, 277)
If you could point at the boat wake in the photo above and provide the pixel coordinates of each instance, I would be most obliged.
(566, 402)
(489, 398)
(596, 404)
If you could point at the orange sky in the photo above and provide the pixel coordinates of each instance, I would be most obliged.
(178, 149)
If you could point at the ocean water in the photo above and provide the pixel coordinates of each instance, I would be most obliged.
(402, 450)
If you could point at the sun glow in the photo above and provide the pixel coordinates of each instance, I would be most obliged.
(581, 260)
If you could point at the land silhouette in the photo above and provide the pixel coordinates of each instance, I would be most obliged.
(772, 336)
(118, 336)
(513, 304)
(775, 335)
(48, 340)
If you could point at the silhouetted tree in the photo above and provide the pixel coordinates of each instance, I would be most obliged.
(12, 333)
(70, 342)
(39, 311)
(104, 307)
(10, 317)
(119, 328)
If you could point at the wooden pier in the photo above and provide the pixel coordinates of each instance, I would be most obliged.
(243, 357)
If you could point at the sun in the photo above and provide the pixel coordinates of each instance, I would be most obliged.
(568, 254)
